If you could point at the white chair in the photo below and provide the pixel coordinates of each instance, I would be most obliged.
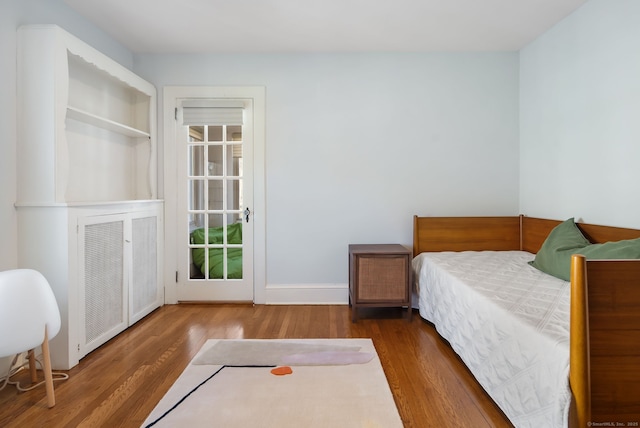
(29, 318)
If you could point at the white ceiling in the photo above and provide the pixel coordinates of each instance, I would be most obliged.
(209, 26)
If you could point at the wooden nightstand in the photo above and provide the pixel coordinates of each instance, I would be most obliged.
(379, 276)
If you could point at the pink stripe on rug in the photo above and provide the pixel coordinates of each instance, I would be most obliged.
(331, 358)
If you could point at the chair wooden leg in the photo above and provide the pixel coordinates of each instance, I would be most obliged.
(31, 355)
(48, 376)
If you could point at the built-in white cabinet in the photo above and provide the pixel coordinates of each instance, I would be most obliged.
(118, 269)
(88, 213)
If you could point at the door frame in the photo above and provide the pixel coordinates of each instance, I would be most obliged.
(169, 180)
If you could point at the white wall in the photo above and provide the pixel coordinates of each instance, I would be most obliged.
(580, 117)
(358, 143)
(8, 220)
(14, 13)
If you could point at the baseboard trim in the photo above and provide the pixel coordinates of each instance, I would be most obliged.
(307, 294)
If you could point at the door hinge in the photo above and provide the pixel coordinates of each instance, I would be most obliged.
(176, 276)
(175, 113)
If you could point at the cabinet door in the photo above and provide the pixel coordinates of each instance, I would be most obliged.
(102, 292)
(143, 287)
(382, 278)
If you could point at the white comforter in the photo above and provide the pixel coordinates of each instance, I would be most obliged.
(509, 323)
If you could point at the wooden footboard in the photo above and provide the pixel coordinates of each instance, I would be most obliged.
(605, 308)
(605, 342)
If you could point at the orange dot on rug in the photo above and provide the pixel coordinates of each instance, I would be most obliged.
(281, 371)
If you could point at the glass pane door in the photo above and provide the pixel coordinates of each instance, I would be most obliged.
(215, 206)
(209, 185)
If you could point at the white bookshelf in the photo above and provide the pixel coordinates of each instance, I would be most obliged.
(101, 122)
(86, 158)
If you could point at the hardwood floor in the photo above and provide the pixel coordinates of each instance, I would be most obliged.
(119, 384)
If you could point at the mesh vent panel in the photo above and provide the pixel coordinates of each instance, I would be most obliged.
(103, 270)
(144, 263)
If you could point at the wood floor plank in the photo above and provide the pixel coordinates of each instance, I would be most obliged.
(118, 384)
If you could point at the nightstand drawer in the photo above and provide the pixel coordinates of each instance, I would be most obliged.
(382, 278)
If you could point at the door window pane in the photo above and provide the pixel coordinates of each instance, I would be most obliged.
(196, 195)
(234, 133)
(216, 194)
(196, 133)
(215, 220)
(234, 263)
(214, 133)
(233, 194)
(215, 160)
(234, 218)
(196, 221)
(195, 158)
(234, 167)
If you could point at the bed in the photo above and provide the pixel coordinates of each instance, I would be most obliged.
(216, 251)
(555, 352)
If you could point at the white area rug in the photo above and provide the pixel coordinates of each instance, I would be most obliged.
(342, 395)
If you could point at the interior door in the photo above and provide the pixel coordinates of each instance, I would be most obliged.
(214, 145)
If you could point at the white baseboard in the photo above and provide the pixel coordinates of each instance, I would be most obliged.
(307, 294)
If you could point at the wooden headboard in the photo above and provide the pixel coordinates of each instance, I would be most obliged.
(499, 233)
(465, 234)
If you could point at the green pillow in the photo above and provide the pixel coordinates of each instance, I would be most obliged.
(234, 235)
(627, 249)
(554, 256)
(566, 239)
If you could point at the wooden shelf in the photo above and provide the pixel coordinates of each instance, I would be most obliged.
(101, 122)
